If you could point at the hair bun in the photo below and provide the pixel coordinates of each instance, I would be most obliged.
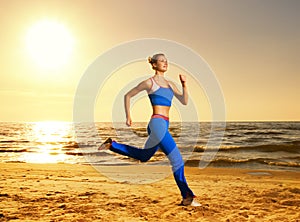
(150, 59)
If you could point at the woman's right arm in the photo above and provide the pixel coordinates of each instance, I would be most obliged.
(145, 85)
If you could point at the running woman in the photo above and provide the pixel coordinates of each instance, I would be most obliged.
(161, 93)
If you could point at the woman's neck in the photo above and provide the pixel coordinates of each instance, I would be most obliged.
(159, 73)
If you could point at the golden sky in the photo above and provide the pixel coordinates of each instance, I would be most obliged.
(252, 46)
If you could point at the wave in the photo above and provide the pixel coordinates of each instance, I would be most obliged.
(222, 162)
(263, 133)
(13, 151)
(14, 141)
(291, 147)
(75, 153)
(87, 154)
(71, 146)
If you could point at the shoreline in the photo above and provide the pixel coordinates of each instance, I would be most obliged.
(188, 164)
(73, 192)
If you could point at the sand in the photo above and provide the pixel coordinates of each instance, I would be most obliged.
(63, 192)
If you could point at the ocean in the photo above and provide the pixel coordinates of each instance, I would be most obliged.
(251, 145)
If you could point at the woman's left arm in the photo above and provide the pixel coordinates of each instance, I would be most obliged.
(181, 96)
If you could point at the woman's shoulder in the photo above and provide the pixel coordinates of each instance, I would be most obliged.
(148, 81)
(146, 84)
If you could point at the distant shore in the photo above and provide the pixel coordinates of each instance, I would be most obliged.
(66, 192)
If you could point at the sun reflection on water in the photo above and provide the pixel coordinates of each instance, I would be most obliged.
(49, 138)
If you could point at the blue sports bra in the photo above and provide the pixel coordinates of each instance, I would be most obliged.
(160, 96)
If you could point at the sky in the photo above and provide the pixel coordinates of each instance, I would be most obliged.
(252, 46)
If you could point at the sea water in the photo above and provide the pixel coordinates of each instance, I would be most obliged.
(254, 145)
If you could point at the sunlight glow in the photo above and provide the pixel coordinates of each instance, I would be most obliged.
(49, 137)
(49, 43)
(50, 131)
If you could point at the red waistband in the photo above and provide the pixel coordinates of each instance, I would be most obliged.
(160, 116)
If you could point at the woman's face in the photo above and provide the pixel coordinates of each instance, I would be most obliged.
(161, 64)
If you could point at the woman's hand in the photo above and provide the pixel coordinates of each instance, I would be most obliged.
(181, 96)
(128, 121)
(182, 79)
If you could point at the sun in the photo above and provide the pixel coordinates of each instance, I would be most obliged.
(49, 43)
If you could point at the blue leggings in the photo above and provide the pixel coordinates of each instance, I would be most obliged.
(159, 137)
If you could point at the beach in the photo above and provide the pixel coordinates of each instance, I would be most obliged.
(74, 192)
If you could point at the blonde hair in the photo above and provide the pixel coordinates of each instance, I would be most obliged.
(152, 60)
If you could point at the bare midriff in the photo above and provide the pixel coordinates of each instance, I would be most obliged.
(161, 110)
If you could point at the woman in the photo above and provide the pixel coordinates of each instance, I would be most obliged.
(160, 92)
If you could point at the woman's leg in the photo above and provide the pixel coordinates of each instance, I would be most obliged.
(169, 147)
(140, 154)
(151, 145)
(159, 137)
